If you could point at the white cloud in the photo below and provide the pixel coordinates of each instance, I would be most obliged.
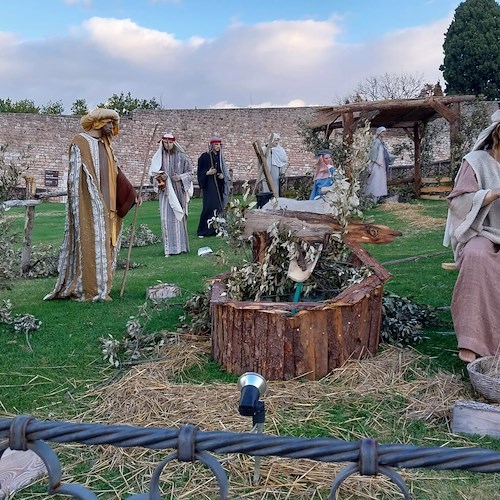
(280, 63)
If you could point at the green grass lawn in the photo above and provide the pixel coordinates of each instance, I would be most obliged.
(66, 360)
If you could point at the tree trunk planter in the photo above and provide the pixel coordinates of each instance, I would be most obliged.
(284, 340)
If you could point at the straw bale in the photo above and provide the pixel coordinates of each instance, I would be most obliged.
(148, 396)
(414, 216)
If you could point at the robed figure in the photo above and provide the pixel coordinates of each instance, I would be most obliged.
(172, 175)
(99, 196)
(215, 183)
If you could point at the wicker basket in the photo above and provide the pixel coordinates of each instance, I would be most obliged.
(484, 374)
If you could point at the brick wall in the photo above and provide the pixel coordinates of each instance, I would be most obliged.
(49, 138)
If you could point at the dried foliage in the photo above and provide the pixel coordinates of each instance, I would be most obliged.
(20, 323)
(196, 319)
(43, 261)
(390, 390)
(143, 236)
(403, 320)
(269, 280)
(136, 343)
(10, 170)
(231, 224)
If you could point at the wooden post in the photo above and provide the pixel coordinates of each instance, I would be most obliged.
(29, 218)
(417, 175)
(455, 127)
(261, 157)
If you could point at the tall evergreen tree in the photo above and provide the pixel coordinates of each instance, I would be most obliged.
(472, 50)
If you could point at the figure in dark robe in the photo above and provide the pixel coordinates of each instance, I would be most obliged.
(215, 183)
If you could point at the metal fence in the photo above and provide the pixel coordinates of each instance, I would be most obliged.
(190, 444)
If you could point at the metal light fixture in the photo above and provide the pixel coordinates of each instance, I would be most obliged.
(252, 387)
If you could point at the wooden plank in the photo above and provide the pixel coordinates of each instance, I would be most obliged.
(449, 114)
(436, 189)
(435, 180)
(433, 197)
(289, 348)
(275, 347)
(299, 352)
(237, 339)
(263, 165)
(248, 341)
(471, 417)
(19, 203)
(320, 333)
(261, 327)
(311, 226)
(375, 319)
(228, 325)
(18, 469)
(335, 338)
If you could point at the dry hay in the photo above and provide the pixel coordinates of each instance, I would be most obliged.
(147, 396)
(413, 214)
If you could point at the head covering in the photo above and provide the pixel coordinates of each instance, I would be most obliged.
(215, 140)
(485, 134)
(168, 136)
(379, 131)
(276, 135)
(322, 152)
(322, 169)
(98, 117)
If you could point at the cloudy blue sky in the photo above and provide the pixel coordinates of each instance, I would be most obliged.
(214, 53)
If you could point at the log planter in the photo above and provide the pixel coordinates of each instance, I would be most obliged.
(285, 340)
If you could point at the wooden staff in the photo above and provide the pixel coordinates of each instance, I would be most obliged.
(132, 230)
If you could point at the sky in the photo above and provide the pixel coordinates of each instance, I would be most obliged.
(215, 54)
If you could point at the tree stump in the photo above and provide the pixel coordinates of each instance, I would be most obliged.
(285, 340)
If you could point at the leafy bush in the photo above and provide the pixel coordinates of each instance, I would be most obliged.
(143, 236)
(402, 320)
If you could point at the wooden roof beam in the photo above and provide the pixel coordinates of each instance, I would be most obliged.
(444, 111)
(398, 104)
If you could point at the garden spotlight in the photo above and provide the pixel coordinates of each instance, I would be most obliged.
(252, 386)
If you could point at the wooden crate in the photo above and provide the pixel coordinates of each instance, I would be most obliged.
(284, 340)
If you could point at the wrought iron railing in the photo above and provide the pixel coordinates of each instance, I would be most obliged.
(191, 444)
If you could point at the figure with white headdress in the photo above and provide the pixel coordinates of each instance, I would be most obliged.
(380, 159)
(215, 183)
(99, 196)
(473, 229)
(172, 175)
(276, 161)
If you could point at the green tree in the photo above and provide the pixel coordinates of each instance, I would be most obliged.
(52, 108)
(472, 50)
(125, 104)
(79, 107)
(23, 106)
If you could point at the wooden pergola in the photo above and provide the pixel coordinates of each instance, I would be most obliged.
(411, 115)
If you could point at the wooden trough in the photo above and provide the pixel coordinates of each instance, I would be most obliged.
(284, 340)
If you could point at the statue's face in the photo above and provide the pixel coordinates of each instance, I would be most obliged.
(216, 147)
(168, 144)
(276, 141)
(327, 159)
(107, 129)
